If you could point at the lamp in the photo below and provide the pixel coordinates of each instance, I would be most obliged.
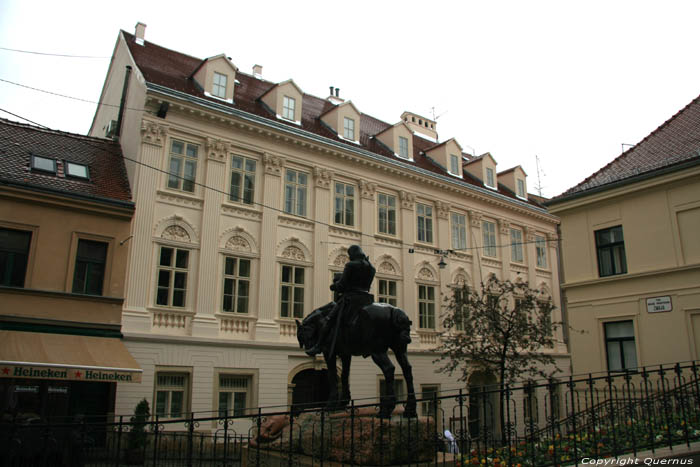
(442, 264)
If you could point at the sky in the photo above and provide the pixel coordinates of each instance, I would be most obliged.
(566, 82)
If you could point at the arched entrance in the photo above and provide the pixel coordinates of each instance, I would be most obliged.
(310, 388)
(483, 405)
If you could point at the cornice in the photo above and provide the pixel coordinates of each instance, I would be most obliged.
(211, 111)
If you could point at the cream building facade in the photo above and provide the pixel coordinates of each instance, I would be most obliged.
(631, 254)
(273, 186)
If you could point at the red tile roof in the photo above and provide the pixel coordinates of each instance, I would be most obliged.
(675, 142)
(107, 173)
(173, 70)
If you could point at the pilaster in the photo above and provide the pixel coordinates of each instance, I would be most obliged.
(531, 256)
(408, 230)
(443, 243)
(367, 216)
(505, 253)
(204, 323)
(135, 316)
(476, 242)
(322, 209)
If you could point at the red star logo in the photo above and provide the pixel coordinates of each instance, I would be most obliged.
(78, 374)
(5, 371)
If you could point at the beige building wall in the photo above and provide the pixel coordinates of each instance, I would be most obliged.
(660, 218)
(199, 338)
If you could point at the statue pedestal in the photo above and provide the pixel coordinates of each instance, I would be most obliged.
(359, 439)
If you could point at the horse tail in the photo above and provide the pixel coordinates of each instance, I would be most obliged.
(402, 325)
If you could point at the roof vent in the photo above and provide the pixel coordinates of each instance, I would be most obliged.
(140, 33)
(257, 71)
(335, 98)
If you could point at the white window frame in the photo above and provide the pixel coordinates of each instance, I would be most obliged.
(384, 209)
(424, 223)
(246, 390)
(38, 160)
(176, 179)
(218, 87)
(458, 230)
(541, 251)
(403, 147)
(426, 307)
(291, 310)
(488, 229)
(454, 164)
(516, 246)
(291, 198)
(349, 128)
(161, 386)
(70, 170)
(173, 269)
(490, 178)
(384, 293)
(237, 300)
(344, 211)
(288, 108)
(246, 174)
(521, 188)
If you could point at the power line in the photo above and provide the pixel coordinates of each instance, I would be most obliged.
(52, 54)
(216, 190)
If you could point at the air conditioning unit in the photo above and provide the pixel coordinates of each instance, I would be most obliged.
(111, 130)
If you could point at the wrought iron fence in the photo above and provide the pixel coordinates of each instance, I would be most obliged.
(537, 423)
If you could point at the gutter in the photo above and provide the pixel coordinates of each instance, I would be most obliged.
(98, 199)
(626, 181)
(320, 139)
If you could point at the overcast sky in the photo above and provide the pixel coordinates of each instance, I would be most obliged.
(568, 82)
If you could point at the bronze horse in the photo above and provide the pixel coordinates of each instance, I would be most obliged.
(372, 332)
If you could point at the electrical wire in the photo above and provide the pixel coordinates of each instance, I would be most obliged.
(216, 190)
(52, 54)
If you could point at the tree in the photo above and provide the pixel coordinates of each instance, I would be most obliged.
(501, 329)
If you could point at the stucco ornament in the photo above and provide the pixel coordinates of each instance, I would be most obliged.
(217, 149)
(385, 267)
(443, 209)
(293, 252)
(322, 177)
(177, 233)
(408, 200)
(341, 260)
(367, 189)
(426, 274)
(153, 133)
(475, 218)
(238, 243)
(273, 164)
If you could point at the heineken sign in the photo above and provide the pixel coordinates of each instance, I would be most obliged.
(70, 374)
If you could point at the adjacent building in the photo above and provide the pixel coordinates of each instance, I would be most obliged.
(249, 192)
(631, 253)
(65, 223)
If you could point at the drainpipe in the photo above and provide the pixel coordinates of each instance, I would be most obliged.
(125, 89)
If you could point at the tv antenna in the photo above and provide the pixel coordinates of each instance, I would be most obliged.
(540, 174)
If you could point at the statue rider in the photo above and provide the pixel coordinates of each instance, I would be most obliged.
(353, 290)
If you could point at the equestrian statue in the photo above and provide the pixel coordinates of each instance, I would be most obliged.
(352, 324)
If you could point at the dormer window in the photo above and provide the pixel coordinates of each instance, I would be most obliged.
(521, 188)
(288, 106)
(76, 170)
(349, 129)
(454, 164)
(489, 177)
(403, 147)
(219, 85)
(44, 164)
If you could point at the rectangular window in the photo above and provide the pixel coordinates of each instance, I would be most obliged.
(183, 166)
(454, 164)
(44, 164)
(530, 407)
(14, 256)
(386, 208)
(172, 394)
(521, 188)
(76, 170)
(242, 179)
(89, 273)
(236, 285)
(344, 212)
(386, 292)
(233, 395)
(399, 388)
(426, 306)
(292, 293)
(459, 231)
(295, 184)
(288, 105)
(516, 245)
(424, 214)
(173, 265)
(403, 147)
(489, 178)
(541, 250)
(429, 392)
(461, 312)
(219, 87)
(349, 128)
(489, 232)
(611, 251)
(619, 345)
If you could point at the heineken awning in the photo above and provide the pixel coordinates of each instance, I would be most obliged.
(66, 357)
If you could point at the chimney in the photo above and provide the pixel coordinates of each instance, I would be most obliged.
(257, 71)
(140, 33)
(331, 88)
(337, 92)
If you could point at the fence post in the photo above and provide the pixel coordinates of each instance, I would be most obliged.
(117, 454)
(462, 433)
(352, 432)
(225, 438)
(507, 429)
(190, 440)
(573, 417)
(593, 414)
(156, 433)
(680, 397)
(323, 414)
(291, 437)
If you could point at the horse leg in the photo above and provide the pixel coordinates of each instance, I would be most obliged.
(402, 359)
(345, 380)
(332, 376)
(388, 401)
